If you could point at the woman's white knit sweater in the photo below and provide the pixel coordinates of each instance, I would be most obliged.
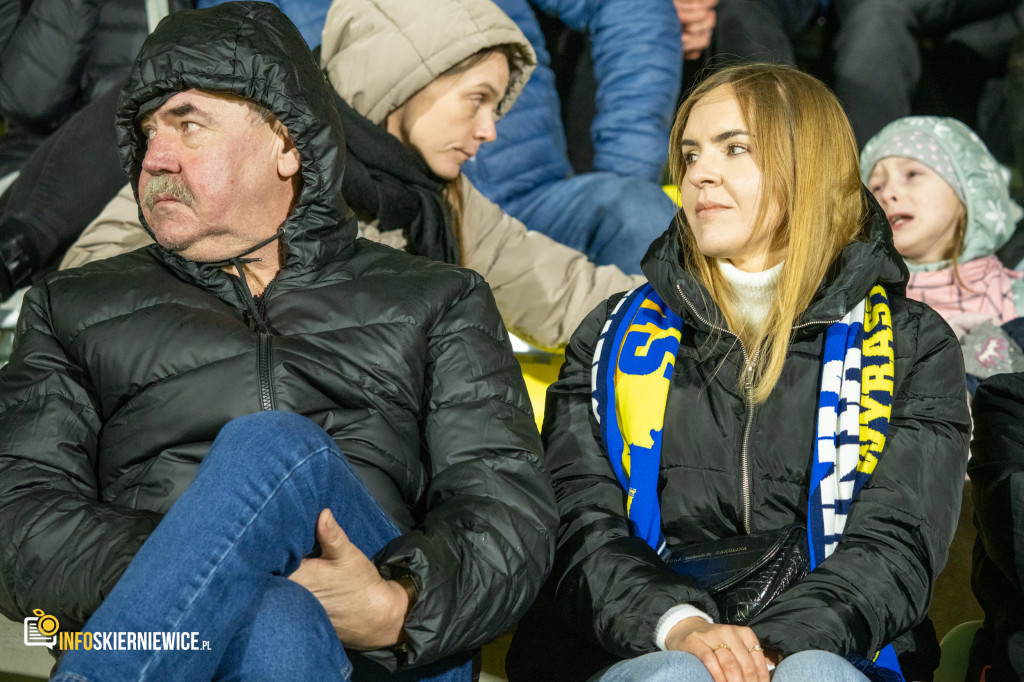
(753, 291)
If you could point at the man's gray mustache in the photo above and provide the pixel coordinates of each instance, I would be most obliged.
(170, 185)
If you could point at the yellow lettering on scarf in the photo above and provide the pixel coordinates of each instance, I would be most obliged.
(635, 399)
(878, 330)
(877, 379)
(640, 398)
(872, 442)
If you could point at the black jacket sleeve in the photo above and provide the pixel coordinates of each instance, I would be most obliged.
(605, 578)
(486, 543)
(997, 481)
(10, 13)
(997, 471)
(878, 582)
(64, 548)
(42, 64)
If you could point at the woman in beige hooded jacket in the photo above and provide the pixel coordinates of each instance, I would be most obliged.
(413, 69)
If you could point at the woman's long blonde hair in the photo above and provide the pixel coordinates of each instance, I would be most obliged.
(805, 149)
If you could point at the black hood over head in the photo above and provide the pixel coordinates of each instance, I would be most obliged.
(249, 49)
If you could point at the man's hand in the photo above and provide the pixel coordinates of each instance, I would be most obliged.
(697, 19)
(693, 10)
(729, 652)
(367, 611)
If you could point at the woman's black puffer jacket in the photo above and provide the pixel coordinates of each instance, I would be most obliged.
(610, 588)
(125, 370)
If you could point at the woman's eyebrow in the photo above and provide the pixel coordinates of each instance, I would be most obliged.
(487, 86)
(720, 137)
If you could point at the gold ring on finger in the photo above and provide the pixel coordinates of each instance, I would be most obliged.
(723, 645)
(757, 647)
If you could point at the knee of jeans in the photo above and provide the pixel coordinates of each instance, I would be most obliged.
(660, 666)
(816, 665)
(292, 637)
(270, 419)
(280, 437)
(267, 430)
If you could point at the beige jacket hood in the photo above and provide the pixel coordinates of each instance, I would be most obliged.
(422, 39)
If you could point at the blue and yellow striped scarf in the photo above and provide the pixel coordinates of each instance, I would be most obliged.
(631, 375)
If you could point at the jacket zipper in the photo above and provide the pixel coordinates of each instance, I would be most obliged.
(266, 387)
(263, 371)
(748, 386)
(264, 384)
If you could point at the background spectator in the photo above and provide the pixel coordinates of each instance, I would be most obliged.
(307, 15)
(878, 58)
(948, 203)
(996, 470)
(613, 213)
(56, 57)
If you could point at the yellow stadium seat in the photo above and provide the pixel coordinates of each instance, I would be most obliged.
(539, 370)
(673, 193)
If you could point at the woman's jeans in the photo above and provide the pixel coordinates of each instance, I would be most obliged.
(217, 565)
(677, 666)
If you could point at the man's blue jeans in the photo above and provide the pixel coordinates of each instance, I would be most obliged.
(677, 666)
(217, 564)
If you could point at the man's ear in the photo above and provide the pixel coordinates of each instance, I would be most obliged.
(288, 161)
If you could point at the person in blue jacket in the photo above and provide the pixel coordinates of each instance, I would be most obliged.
(613, 213)
(307, 15)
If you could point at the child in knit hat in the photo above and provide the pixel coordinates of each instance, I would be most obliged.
(948, 202)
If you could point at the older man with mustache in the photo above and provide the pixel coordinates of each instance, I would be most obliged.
(296, 444)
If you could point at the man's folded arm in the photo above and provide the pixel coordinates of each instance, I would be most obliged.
(63, 549)
(487, 540)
